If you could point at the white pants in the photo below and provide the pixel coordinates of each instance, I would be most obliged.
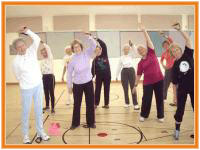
(27, 95)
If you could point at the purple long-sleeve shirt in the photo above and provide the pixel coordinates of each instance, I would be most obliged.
(79, 66)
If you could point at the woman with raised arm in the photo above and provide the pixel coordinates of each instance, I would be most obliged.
(153, 79)
(101, 68)
(183, 77)
(48, 76)
(79, 66)
(26, 68)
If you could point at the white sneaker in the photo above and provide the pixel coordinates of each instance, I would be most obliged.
(141, 119)
(45, 137)
(176, 134)
(26, 140)
(127, 105)
(161, 120)
(68, 102)
(136, 107)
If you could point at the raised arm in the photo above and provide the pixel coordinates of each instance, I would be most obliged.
(147, 37)
(92, 45)
(103, 46)
(188, 42)
(36, 39)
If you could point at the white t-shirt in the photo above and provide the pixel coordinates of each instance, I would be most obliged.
(125, 61)
(26, 67)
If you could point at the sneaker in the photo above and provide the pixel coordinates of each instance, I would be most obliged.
(127, 105)
(105, 106)
(46, 108)
(52, 111)
(172, 104)
(141, 119)
(89, 126)
(45, 137)
(73, 127)
(136, 107)
(26, 140)
(68, 102)
(176, 134)
(161, 120)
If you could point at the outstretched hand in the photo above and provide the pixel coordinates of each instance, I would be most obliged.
(130, 43)
(177, 26)
(23, 29)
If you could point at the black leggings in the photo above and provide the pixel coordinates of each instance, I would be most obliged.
(181, 100)
(147, 99)
(128, 78)
(105, 80)
(88, 90)
(49, 86)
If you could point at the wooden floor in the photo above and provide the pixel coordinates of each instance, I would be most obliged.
(116, 125)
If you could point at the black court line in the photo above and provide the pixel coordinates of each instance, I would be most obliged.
(13, 131)
(165, 136)
(48, 116)
(140, 140)
(142, 134)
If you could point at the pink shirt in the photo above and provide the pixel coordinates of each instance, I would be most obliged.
(150, 67)
(169, 59)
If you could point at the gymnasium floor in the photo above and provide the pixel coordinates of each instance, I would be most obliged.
(116, 125)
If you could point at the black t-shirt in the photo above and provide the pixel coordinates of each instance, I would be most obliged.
(183, 70)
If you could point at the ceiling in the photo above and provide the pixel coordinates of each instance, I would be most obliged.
(49, 10)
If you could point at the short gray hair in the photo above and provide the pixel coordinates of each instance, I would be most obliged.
(14, 43)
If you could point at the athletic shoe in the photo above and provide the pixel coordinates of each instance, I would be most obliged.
(105, 106)
(176, 134)
(161, 120)
(141, 119)
(127, 105)
(46, 108)
(136, 107)
(26, 140)
(45, 137)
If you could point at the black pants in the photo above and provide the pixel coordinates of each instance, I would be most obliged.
(106, 83)
(49, 86)
(167, 81)
(147, 99)
(181, 100)
(128, 77)
(88, 90)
